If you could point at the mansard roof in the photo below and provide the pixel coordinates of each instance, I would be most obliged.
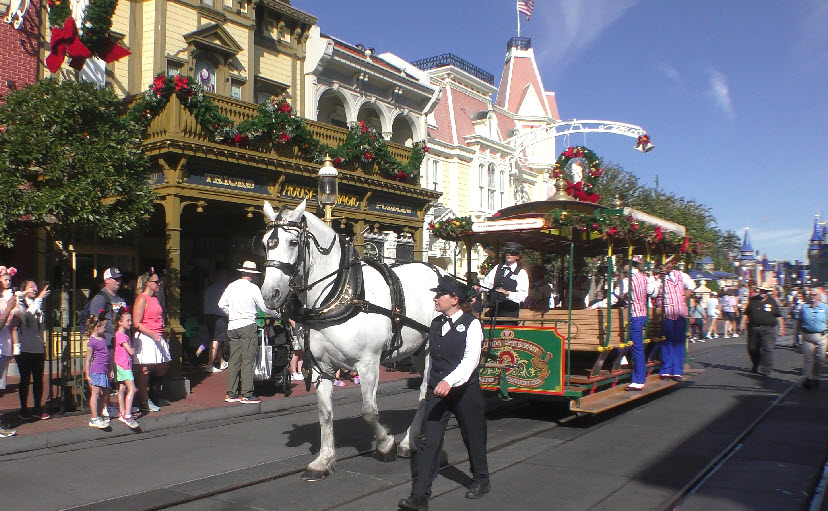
(521, 87)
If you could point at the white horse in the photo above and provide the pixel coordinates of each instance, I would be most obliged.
(303, 252)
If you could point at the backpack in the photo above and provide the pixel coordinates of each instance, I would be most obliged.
(86, 310)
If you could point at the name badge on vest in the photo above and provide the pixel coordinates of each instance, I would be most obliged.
(461, 328)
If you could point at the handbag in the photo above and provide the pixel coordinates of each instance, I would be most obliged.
(264, 360)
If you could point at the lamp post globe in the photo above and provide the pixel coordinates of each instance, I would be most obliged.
(328, 191)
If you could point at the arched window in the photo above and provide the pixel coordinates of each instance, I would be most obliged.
(206, 74)
(492, 182)
(481, 182)
(503, 187)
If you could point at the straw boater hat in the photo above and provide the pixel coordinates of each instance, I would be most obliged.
(249, 267)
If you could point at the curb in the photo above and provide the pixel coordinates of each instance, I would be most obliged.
(149, 424)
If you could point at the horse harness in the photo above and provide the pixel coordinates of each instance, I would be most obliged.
(346, 297)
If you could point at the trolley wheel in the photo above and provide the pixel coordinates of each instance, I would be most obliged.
(287, 381)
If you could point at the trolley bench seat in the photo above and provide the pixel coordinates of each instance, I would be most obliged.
(588, 326)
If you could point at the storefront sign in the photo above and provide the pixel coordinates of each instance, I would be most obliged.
(309, 194)
(156, 178)
(394, 209)
(508, 225)
(234, 183)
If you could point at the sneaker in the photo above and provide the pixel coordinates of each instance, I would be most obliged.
(152, 406)
(339, 383)
(356, 380)
(110, 411)
(129, 421)
(45, 416)
(250, 400)
(715, 336)
(98, 422)
(231, 399)
(214, 369)
(223, 366)
(297, 377)
(4, 431)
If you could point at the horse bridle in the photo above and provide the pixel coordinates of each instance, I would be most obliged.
(292, 270)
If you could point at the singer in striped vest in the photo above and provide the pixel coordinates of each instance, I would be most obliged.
(643, 287)
(676, 288)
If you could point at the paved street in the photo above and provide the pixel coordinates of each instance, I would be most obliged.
(635, 458)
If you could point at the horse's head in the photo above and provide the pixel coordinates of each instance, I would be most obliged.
(283, 250)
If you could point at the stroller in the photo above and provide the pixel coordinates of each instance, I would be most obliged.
(273, 357)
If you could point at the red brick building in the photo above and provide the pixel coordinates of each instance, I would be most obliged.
(19, 51)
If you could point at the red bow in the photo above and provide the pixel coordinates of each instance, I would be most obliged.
(685, 245)
(65, 41)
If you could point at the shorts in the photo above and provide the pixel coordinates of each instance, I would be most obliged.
(148, 351)
(100, 379)
(217, 325)
(124, 374)
(731, 316)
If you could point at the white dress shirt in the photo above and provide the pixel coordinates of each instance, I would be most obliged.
(239, 302)
(521, 277)
(471, 355)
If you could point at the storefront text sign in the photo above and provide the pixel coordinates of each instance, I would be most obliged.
(308, 193)
(394, 209)
(234, 183)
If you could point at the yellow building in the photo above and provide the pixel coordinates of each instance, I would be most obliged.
(210, 193)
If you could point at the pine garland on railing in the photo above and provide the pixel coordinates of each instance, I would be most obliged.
(451, 229)
(277, 121)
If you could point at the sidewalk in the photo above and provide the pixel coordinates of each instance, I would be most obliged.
(207, 391)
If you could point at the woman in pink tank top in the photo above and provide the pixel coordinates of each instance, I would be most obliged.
(152, 353)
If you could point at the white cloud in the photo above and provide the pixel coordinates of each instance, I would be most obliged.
(669, 71)
(720, 93)
(572, 26)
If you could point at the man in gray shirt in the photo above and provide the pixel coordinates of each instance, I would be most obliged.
(108, 300)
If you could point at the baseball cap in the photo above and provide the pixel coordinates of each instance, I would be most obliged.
(112, 273)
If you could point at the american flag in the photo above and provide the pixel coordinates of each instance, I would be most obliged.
(526, 6)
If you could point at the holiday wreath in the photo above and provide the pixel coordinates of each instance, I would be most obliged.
(582, 167)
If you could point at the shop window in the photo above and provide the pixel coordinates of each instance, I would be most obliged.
(206, 75)
(405, 251)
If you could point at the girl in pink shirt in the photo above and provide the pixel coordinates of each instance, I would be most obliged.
(123, 366)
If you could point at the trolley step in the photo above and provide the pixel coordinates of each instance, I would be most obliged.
(610, 398)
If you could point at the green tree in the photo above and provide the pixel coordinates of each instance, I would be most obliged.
(70, 165)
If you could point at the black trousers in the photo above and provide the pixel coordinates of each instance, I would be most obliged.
(760, 347)
(467, 404)
(30, 366)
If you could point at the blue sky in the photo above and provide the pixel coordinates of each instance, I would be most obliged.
(731, 92)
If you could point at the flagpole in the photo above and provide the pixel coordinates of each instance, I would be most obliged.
(518, 18)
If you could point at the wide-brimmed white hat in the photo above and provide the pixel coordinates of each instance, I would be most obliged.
(249, 267)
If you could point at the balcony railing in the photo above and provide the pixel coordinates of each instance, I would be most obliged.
(450, 59)
(177, 123)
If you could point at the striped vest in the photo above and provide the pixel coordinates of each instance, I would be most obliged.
(639, 295)
(675, 305)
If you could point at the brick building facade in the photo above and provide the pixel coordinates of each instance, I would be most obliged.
(18, 43)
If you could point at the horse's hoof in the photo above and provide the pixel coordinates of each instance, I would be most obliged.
(387, 457)
(403, 452)
(315, 475)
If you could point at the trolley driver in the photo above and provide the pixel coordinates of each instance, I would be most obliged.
(509, 283)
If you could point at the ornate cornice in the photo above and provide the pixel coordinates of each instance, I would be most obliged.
(288, 11)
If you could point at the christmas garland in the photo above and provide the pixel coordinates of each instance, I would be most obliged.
(92, 39)
(451, 229)
(627, 228)
(277, 122)
(588, 163)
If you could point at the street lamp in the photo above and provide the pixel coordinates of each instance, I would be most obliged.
(328, 192)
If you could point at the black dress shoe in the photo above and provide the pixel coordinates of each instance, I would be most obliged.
(676, 377)
(477, 490)
(807, 383)
(414, 503)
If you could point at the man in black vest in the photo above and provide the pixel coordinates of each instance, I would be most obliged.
(762, 315)
(508, 284)
(455, 341)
